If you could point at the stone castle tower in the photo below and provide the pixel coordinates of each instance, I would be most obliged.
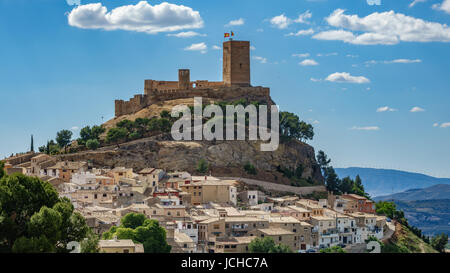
(235, 84)
(236, 63)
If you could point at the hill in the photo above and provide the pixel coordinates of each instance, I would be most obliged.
(379, 182)
(224, 158)
(404, 241)
(427, 209)
(435, 192)
(431, 216)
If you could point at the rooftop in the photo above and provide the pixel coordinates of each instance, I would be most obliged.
(116, 243)
(275, 231)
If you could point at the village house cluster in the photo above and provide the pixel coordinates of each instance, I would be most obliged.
(205, 214)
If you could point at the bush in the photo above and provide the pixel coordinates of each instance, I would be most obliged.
(92, 144)
(250, 169)
(202, 166)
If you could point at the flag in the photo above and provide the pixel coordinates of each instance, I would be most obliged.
(232, 34)
(227, 35)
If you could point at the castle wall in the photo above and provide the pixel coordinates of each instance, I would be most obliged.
(140, 102)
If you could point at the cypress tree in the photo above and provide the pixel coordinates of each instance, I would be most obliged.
(32, 144)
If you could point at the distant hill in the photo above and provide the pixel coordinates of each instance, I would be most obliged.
(431, 216)
(379, 182)
(441, 191)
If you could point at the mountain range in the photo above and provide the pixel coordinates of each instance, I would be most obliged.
(436, 192)
(380, 182)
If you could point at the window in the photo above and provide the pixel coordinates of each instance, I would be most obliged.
(279, 238)
(126, 251)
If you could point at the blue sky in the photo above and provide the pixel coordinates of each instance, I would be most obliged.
(372, 76)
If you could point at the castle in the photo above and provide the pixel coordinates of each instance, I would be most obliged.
(235, 85)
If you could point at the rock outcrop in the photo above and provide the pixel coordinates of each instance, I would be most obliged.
(225, 158)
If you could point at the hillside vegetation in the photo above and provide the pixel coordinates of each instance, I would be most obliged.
(405, 241)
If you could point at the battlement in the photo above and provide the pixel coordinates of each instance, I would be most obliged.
(235, 85)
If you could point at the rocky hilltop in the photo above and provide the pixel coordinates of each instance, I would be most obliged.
(225, 158)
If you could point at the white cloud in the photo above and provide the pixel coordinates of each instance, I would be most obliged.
(351, 56)
(415, 2)
(417, 109)
(252, 48)
(303, 32)
(216, 47)
(187, 34)
(366, 128)
(315, 80)
(75, 128)
(237, 22)
(315, 122)
(142, 17)
(374, 2)
(73, 2)
(387, 28)
(403, 61)
(197, 47)
(301, 55)
(327, 54)
(260, 30)
(308, 62)
(282, 22)
(260, 59)
(303, 18)
(345, 77)
(445, 6)
(445, 125)
(386, 109)
(396, 61)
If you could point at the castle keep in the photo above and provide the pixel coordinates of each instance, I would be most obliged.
(235, 84)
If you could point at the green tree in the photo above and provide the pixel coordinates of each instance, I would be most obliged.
(34, 219)
(332, 180)
(141, 230)
(32, 144)
(267, 245)
(165, 114)
(292, 127)
(126, 124)
(323, 160)
(133, 220)
(115, 135)
(346, 185)
(42, 149)
(90, 243)
(2, 169)
(63, 138)
(202, 166)
(385, 208)
(96, 131)
(439, 242)
(333, 249)
(164, 125)
(92, 144)
(85, 135)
